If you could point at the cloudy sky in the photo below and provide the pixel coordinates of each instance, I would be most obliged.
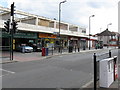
(73, 11)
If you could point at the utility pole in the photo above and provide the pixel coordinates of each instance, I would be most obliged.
(59, 50)
(89, 29)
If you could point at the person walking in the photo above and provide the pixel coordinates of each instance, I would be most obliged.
(78, 46)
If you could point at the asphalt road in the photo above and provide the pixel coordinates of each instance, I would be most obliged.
(65, 71)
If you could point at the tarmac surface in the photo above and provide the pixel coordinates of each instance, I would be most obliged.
(24, 57)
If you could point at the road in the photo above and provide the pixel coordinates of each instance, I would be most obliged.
(65, 71)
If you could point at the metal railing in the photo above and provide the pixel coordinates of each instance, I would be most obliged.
(55, 50)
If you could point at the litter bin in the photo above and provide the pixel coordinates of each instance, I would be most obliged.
(46, 51)
(43, 51)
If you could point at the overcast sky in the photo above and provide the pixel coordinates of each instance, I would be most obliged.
(73, 11)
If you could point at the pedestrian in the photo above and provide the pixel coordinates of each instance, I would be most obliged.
(70, 47)
(95, 45)
(75, 46)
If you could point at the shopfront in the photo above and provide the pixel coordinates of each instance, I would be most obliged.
(83, 43)
(74, 41)
(47, 40)
(64, 41)
(27, 38)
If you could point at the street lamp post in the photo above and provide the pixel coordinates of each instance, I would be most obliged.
(100, 30)
(109, 24)
(108, 36)
(59, 23)
(89, 29)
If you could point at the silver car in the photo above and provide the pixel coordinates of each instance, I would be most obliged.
(26, 49)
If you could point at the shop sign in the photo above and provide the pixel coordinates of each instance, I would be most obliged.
(25, 35)
(83, 39)
(56, 33)
(5, 35)
(42, 35)
(21, 35)
(73, 38)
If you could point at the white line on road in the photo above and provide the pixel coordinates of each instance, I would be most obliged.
(87, 84)
(3, 75)
(7, 71)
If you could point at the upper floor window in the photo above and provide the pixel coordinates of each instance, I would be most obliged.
(83, 31)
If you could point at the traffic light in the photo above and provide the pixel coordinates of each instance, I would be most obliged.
(14, 26)
(7, 25)
(12, 9)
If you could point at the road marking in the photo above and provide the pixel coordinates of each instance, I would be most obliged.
(3, 75)
(87, 84)
(7, 71)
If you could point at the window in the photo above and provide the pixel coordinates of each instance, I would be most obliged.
(83, 31)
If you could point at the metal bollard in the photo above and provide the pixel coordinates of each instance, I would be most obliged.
(78, 49)
(109, 53)
(52, 50)
(95, 71)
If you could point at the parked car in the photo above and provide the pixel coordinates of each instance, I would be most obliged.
(25, 49)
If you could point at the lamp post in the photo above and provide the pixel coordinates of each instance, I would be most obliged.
(100, 30)
(108, 36)
(59, 22)
(109, 24)
(89, 29)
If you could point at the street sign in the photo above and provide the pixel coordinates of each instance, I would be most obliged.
(56, 33)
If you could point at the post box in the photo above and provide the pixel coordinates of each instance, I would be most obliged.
(43, 51)
(106, 72)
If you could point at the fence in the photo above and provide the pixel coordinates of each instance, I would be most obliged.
(96, 59)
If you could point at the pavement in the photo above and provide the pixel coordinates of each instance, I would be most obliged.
(23, 57)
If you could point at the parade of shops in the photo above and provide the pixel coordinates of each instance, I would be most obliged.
(34, 30)
(42, 39)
